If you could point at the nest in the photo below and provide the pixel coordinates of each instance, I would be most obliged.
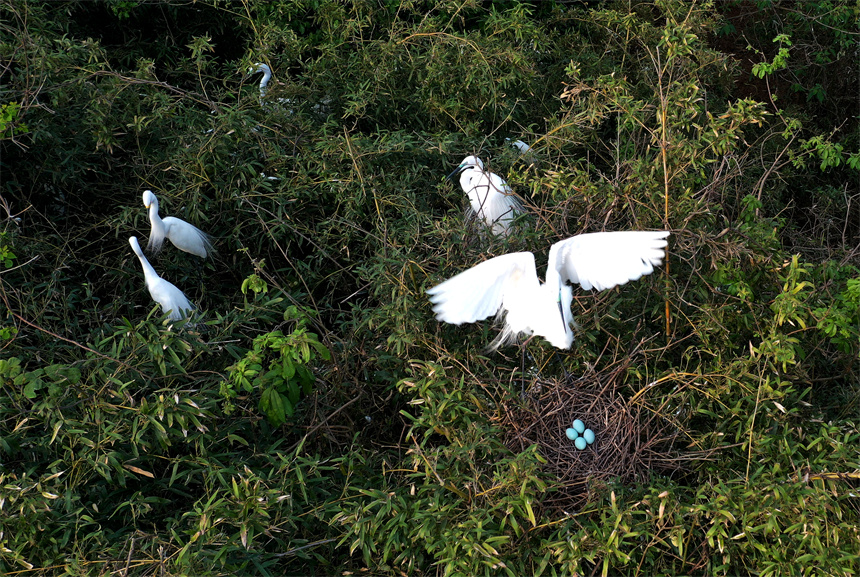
(631, 440)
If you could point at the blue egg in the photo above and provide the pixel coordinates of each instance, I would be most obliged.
(580, 443)
(588, 435)
(579, 426)
(571, 434)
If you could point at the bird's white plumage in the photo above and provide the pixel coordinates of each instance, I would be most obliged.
(171, 299)
(508, 285)
(264, 81)
(184, 236)
(491, 200)
(602, 260)
(479, 292)
(519, 145)
(281, 104)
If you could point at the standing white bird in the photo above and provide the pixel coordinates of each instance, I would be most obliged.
(509, 283)
(170, 298)
(264, 81)
(184, 236)
(490, 197)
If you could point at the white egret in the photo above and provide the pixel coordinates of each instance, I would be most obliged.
(322, 107)
(508, 285)
(264, 81)
(519, 145)
(490, 197)
(170, 298)
(184, 236)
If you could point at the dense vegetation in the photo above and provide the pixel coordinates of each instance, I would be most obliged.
(313, 417)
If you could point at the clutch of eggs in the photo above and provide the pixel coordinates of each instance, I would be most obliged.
(580, 436)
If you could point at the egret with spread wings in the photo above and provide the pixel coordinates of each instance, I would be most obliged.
(508, 285)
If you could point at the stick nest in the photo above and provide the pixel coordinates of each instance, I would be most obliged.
(631, 439)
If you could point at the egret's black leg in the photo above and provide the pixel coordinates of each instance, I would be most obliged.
(522, 371)
(199, 326)
(523, 366)
(200, 274)
(568, 377)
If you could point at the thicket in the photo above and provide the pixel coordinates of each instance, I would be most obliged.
(315, 418)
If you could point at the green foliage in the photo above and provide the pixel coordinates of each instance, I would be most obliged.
(780, 61)
(7, 257)
(277, 367)
(450, 505)
(9, 125)
(52, 378)
(840, 320)
(123, 8)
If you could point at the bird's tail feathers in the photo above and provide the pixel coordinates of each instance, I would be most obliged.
(507, 336)
(207, 241)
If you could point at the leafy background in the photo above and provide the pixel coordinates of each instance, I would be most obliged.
(319, 420)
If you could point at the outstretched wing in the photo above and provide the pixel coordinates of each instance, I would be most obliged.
(602, 260)
(479, 292)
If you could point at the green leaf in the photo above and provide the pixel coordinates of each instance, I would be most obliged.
(288, 369)
(275, 406)
(32, 386)
(306, 378)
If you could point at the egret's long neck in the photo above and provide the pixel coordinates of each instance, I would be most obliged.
(156, 222)
(264, 82)
(471, 177)
(553, 279)
(466, 178)
(148, 272)
(560, 292)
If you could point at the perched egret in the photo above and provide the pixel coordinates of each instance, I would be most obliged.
(490, 197)
(264, 81)
(525, 151)
(519, 145)
(322, 108)
(184, 236)
(509, 284)
(170, 298)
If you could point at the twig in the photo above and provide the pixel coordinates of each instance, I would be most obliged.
(128, 559)
(309, 545)
(20, 265)
(323, 422)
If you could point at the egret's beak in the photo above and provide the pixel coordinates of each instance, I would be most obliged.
(561, 312)
(459, 169)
